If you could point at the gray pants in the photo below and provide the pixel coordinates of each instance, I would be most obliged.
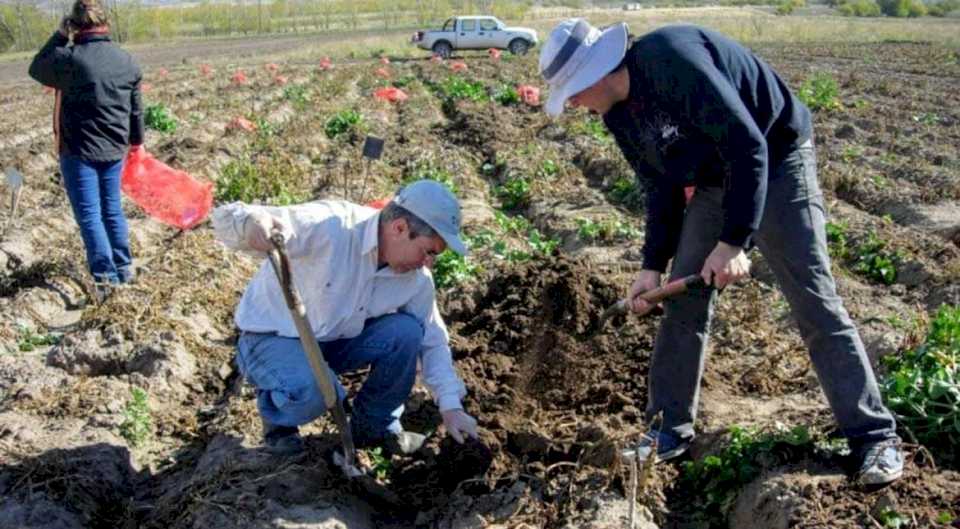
(793, 240)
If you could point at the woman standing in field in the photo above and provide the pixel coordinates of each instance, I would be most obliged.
(98, 86)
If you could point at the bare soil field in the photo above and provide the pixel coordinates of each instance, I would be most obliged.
(556, 396)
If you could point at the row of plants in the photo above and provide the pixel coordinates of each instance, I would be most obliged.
(870, 257)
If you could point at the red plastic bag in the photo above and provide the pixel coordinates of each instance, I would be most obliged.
(166, 194)
(325, 63)
(390, 94)
(529, 94)
(494, 54)
(379, 203)
(458, 66)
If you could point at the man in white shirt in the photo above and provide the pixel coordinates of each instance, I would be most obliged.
(370, 301)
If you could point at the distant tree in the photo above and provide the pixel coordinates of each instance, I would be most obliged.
(860, 8)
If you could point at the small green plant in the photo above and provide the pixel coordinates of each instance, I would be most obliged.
(820, 92)
(427, 171)
(297, 95)
(717, 479)
(889, 517)
(380, 463)
(927, 118)
(922, 387)
(605, 230)
(540, 243)
(404, 81)
(837, 240)
(273, 183)
(28, 339)
(592, 127)
(515, 192)
(342, 122)
(158, 117)
(548, 169)
(506, 94)
(876, 262)
(137, 425)
(456, 87)
(945, 518)
(451, 268)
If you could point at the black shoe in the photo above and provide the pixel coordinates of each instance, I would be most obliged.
(403, 443)
(282, 440)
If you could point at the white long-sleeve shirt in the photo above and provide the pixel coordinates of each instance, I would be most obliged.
(333, 254)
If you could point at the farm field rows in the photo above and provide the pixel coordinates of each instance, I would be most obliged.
(555, 223)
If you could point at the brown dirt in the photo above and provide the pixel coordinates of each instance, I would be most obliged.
(555, 396)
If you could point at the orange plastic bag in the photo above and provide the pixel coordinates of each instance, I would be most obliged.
(166, 194)
(390, 94)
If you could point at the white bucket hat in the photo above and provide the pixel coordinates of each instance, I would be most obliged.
(576, 56)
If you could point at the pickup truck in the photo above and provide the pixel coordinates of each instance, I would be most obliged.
(475, 33)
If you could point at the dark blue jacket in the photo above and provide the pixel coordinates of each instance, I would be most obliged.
(101, 110)
(703, 110)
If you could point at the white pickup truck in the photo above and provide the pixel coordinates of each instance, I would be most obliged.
(475, 33)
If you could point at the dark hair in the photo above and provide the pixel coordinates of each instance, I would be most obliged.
(418, 227)
(88, 14)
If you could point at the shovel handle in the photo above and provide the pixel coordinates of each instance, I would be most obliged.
(677, 286)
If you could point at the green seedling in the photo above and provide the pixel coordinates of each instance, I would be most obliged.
(719, 478)
(889, 517)
(922, 387)
(427, 171)
(381, 465)
(506, 94)
(837, 240)
(876, 262)
(593, 128)
(342, 122)
(605, 230)
(451, 268)
(548, 169)
(515, 192)
(297, 95)
(28, 339)
(137, 425)
(273, 183)
(456, 87)
(159, 118)
(820, 92)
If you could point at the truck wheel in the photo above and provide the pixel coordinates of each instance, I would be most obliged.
(443, 49)
(519, 47)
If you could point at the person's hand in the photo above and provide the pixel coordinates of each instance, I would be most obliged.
(647, 280)
(257, 228)
(137, 150)
(725, 264)
(459, 424)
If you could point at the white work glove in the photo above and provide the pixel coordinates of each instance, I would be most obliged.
(459, 424)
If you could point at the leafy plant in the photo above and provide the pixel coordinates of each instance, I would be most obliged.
(820, 92)
(28, 339)
(296, 94)
(515, 192)
(451, 268)
(876, 262)
(837, 240)
(158, 117)
(506, 95)
(456, 87)
(890, 517)
(548, 169)
(427, 171)
(605, 230)
(137, 425)
(274, 183)
(717, 479)
(380, 463)
(592, 127)
(922, 387)
(342, 122)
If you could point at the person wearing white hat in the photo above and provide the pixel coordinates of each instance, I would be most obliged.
(689, 106)
(370, 301)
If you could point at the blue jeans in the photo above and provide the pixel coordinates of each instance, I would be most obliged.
(94, 192)
(793, 240)
(288, 395)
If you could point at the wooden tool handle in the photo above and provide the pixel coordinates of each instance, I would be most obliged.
(676, 286)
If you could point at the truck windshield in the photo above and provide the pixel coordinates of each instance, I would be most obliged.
(448, 25)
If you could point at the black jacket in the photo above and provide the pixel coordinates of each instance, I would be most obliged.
(101, 110)
(703, 110)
